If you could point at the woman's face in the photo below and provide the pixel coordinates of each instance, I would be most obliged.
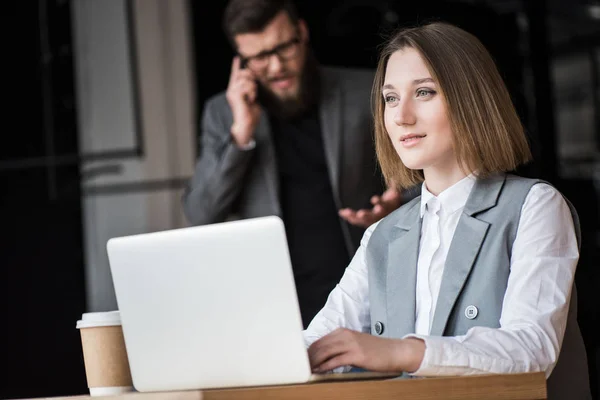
(415, 114)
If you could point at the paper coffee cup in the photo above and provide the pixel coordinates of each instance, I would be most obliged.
(106, 364)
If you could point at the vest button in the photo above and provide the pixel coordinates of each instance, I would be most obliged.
(471, 312)
(378, 328)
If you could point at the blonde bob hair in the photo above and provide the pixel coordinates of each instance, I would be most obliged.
(488, 136)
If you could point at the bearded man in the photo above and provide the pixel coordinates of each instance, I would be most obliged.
(290, 138)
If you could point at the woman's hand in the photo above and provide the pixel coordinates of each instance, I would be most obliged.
(345, 347)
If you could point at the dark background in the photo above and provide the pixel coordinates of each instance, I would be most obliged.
(41, 253)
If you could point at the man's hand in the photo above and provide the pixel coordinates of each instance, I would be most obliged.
(241, 96)
(382, 206)
(345, 347)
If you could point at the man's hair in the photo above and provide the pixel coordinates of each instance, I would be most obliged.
(488, 136)
(250, 16)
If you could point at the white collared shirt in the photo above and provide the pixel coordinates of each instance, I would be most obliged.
(536, 302)
(440, 218)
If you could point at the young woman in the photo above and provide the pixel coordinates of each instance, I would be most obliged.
(475, 275)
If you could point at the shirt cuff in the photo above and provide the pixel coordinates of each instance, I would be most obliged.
(445, 356)
(434, 362)
(249, 146)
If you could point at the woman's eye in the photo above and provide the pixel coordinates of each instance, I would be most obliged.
(425, 92)
(389, 99)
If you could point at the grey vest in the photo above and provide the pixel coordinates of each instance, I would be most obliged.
(476, 273)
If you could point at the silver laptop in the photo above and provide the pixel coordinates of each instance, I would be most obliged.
(213, 306)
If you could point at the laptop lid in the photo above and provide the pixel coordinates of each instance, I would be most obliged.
(209, 306)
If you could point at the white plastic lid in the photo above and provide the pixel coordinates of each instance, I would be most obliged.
(93, 319)
(110, 390)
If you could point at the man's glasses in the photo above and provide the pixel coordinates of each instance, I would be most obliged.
(285, 51)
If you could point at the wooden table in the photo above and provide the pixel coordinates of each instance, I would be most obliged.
(531, 386)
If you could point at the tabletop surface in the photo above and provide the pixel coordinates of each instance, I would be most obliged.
(529, 386)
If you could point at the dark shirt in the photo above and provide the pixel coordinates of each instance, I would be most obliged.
(314, 233)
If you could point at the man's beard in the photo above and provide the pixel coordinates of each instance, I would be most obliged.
(307, 96)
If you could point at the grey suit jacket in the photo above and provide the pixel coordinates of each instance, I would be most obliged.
(475, 274)
(229, 181)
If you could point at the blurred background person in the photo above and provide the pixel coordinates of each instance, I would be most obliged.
(290, 138)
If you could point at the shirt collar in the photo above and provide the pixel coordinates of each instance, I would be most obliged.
(426, 197)
(450, 199)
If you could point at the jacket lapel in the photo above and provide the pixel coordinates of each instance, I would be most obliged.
(268, 160)
(330, 117)
(403, 253)
(466, 244)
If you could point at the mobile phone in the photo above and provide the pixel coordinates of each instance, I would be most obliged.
(244, 65)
